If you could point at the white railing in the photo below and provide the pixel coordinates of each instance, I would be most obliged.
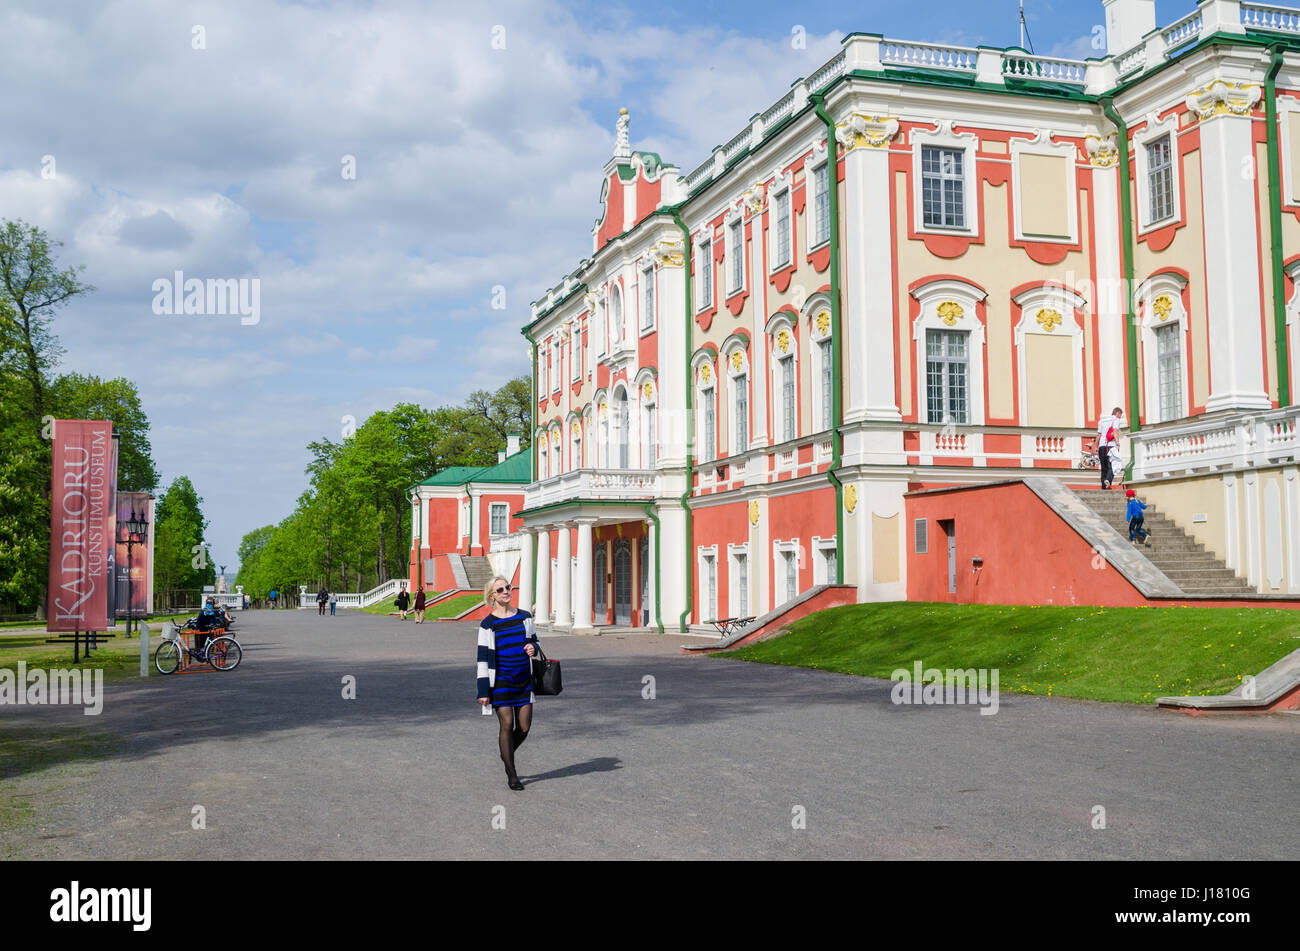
(1044, 68)
(498, 543)
(1134, 59)
(357, 599)
(1264, 16)
(1207, 445)
(828, 73)
(593, 484)
(1181, 31)
(778, 112)
(737, 144)
(928, 56)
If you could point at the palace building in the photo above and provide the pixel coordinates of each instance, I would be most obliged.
(918, 280)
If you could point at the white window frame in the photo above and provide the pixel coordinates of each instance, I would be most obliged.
(734, 253)
(734, 374)
(704, 265)
(556, 444)
(704, 558)
(1170, 285)
(773, 330)
(780, 573)
(818, 163)
(931, 296)
(823, 550)
(622, 429)
(543, 458)
(738, 606)
(1293, 326)
(575, 352)
(557, 375)
(1286, 106)
(1041, 145)
(942, 137)
(648, 420)
(493, 509)
(780, 190)
(705, 390)
(648, 298)
(1065, 302)
(1156, 130)
(823, 350)
(617, 317)
(575, 443)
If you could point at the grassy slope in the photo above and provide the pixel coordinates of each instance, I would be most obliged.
(449, 608)
(1124, 654)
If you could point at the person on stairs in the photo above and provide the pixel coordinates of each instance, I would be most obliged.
(1136, 519)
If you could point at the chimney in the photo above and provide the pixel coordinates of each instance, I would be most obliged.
(512, 444)
(1127, 21)
(501, 456)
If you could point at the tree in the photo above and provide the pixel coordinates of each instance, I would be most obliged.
(74, 396)
(180, 554)
(33, 290)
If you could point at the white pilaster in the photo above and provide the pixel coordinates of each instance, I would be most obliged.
(1108, 298)
(1250, 481)
(543, 612)
(653, 555)
(582, 600)
(526, 570)
(564, 583)
(1232, 255)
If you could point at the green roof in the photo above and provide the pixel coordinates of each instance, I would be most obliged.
(517, 468)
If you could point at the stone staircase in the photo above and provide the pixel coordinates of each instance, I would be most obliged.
(1183, 559)
(478, 571)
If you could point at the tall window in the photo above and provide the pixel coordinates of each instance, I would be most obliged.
(648, 298)
(821, 204)
(947, 371)
(577, 446)
(1170, 363)
(500, 514)
(706, 274)
(648, 444)
(709, 610)
(555, 377)
(942, 187)
(741, 608)
(741, 427)
(615, 316)
(604, 437)
(542, 469)
(736, 252)
(791, 575)
(622, 420)
(575, 352)
(555, 452)
(709, 436)
(782, 249)
(1160, 178)
(824, 349)
(787, 398)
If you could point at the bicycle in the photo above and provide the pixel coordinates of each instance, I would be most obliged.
(222, 652)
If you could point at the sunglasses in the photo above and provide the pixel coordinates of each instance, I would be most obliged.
(508, 587)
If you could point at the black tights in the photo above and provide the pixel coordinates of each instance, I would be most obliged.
(515, 723)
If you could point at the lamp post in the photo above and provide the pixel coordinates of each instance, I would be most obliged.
(137, 528)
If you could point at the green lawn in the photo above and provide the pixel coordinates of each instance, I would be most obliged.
(449, 608)
(1132, 655)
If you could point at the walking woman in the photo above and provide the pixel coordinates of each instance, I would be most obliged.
(506, 644)
(419, 606)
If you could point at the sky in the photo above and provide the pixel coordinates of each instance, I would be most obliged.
(379, 168)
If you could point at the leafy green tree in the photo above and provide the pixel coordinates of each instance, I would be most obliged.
(74, 396)
(180, 553)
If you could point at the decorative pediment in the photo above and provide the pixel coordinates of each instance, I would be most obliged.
(669, 253)
(1103, 151)
(1222, 98)
(866, 131)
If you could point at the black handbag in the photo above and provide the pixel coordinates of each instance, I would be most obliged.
(547, 681)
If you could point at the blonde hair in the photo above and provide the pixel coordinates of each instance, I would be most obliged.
(488, 589)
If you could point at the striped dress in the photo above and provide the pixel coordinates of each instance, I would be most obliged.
(505, 672)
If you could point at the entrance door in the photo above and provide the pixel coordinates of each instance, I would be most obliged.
(598, 577)
(645, 582)
(949, 528)
(623, 582)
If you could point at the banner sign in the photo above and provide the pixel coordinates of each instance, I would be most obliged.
(79, 539)
(111, 578)
(139, 561)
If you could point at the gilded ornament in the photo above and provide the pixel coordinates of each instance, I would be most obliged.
(737, 358)
(823, 322)
(850, 498)
(706, 373)
(783, 341)
(753, 512)
(1048, 319)
(577, 428)
(950, 310)
(648, 390)
(1162, 306)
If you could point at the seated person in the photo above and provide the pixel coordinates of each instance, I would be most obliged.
(209, 620)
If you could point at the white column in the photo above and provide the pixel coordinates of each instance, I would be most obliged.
(563, 580)
(543, 612)
(652, 553)
(1232, 256)
(867, 349)
(1108, 298)
(526, 569)
(582, 600)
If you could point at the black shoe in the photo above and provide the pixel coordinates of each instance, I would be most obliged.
(515, 784)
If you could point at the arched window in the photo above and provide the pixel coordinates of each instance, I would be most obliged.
(785, 379)
(555, 452)
(615, 316)
(706, 435)
(738, 376)
(1164, 323)
(576, 427)
(622, 424)
(823, 368)
(649, 429)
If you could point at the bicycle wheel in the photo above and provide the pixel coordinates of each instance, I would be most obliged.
(224, 653)
(167, 657)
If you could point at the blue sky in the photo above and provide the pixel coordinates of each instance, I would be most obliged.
(475, 167)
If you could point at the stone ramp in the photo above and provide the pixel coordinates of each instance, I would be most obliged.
(1277, 688)
(775, 622)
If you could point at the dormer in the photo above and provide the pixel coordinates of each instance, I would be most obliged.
(635, 185)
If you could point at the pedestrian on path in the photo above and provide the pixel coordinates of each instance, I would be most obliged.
(507, 642)
(1136, 519)
(321, 597)
(403, 602)
(334, 598)
(419, 606)
(272, 598)
(1108, 444)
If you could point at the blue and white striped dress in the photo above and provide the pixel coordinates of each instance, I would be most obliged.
(505, 673)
